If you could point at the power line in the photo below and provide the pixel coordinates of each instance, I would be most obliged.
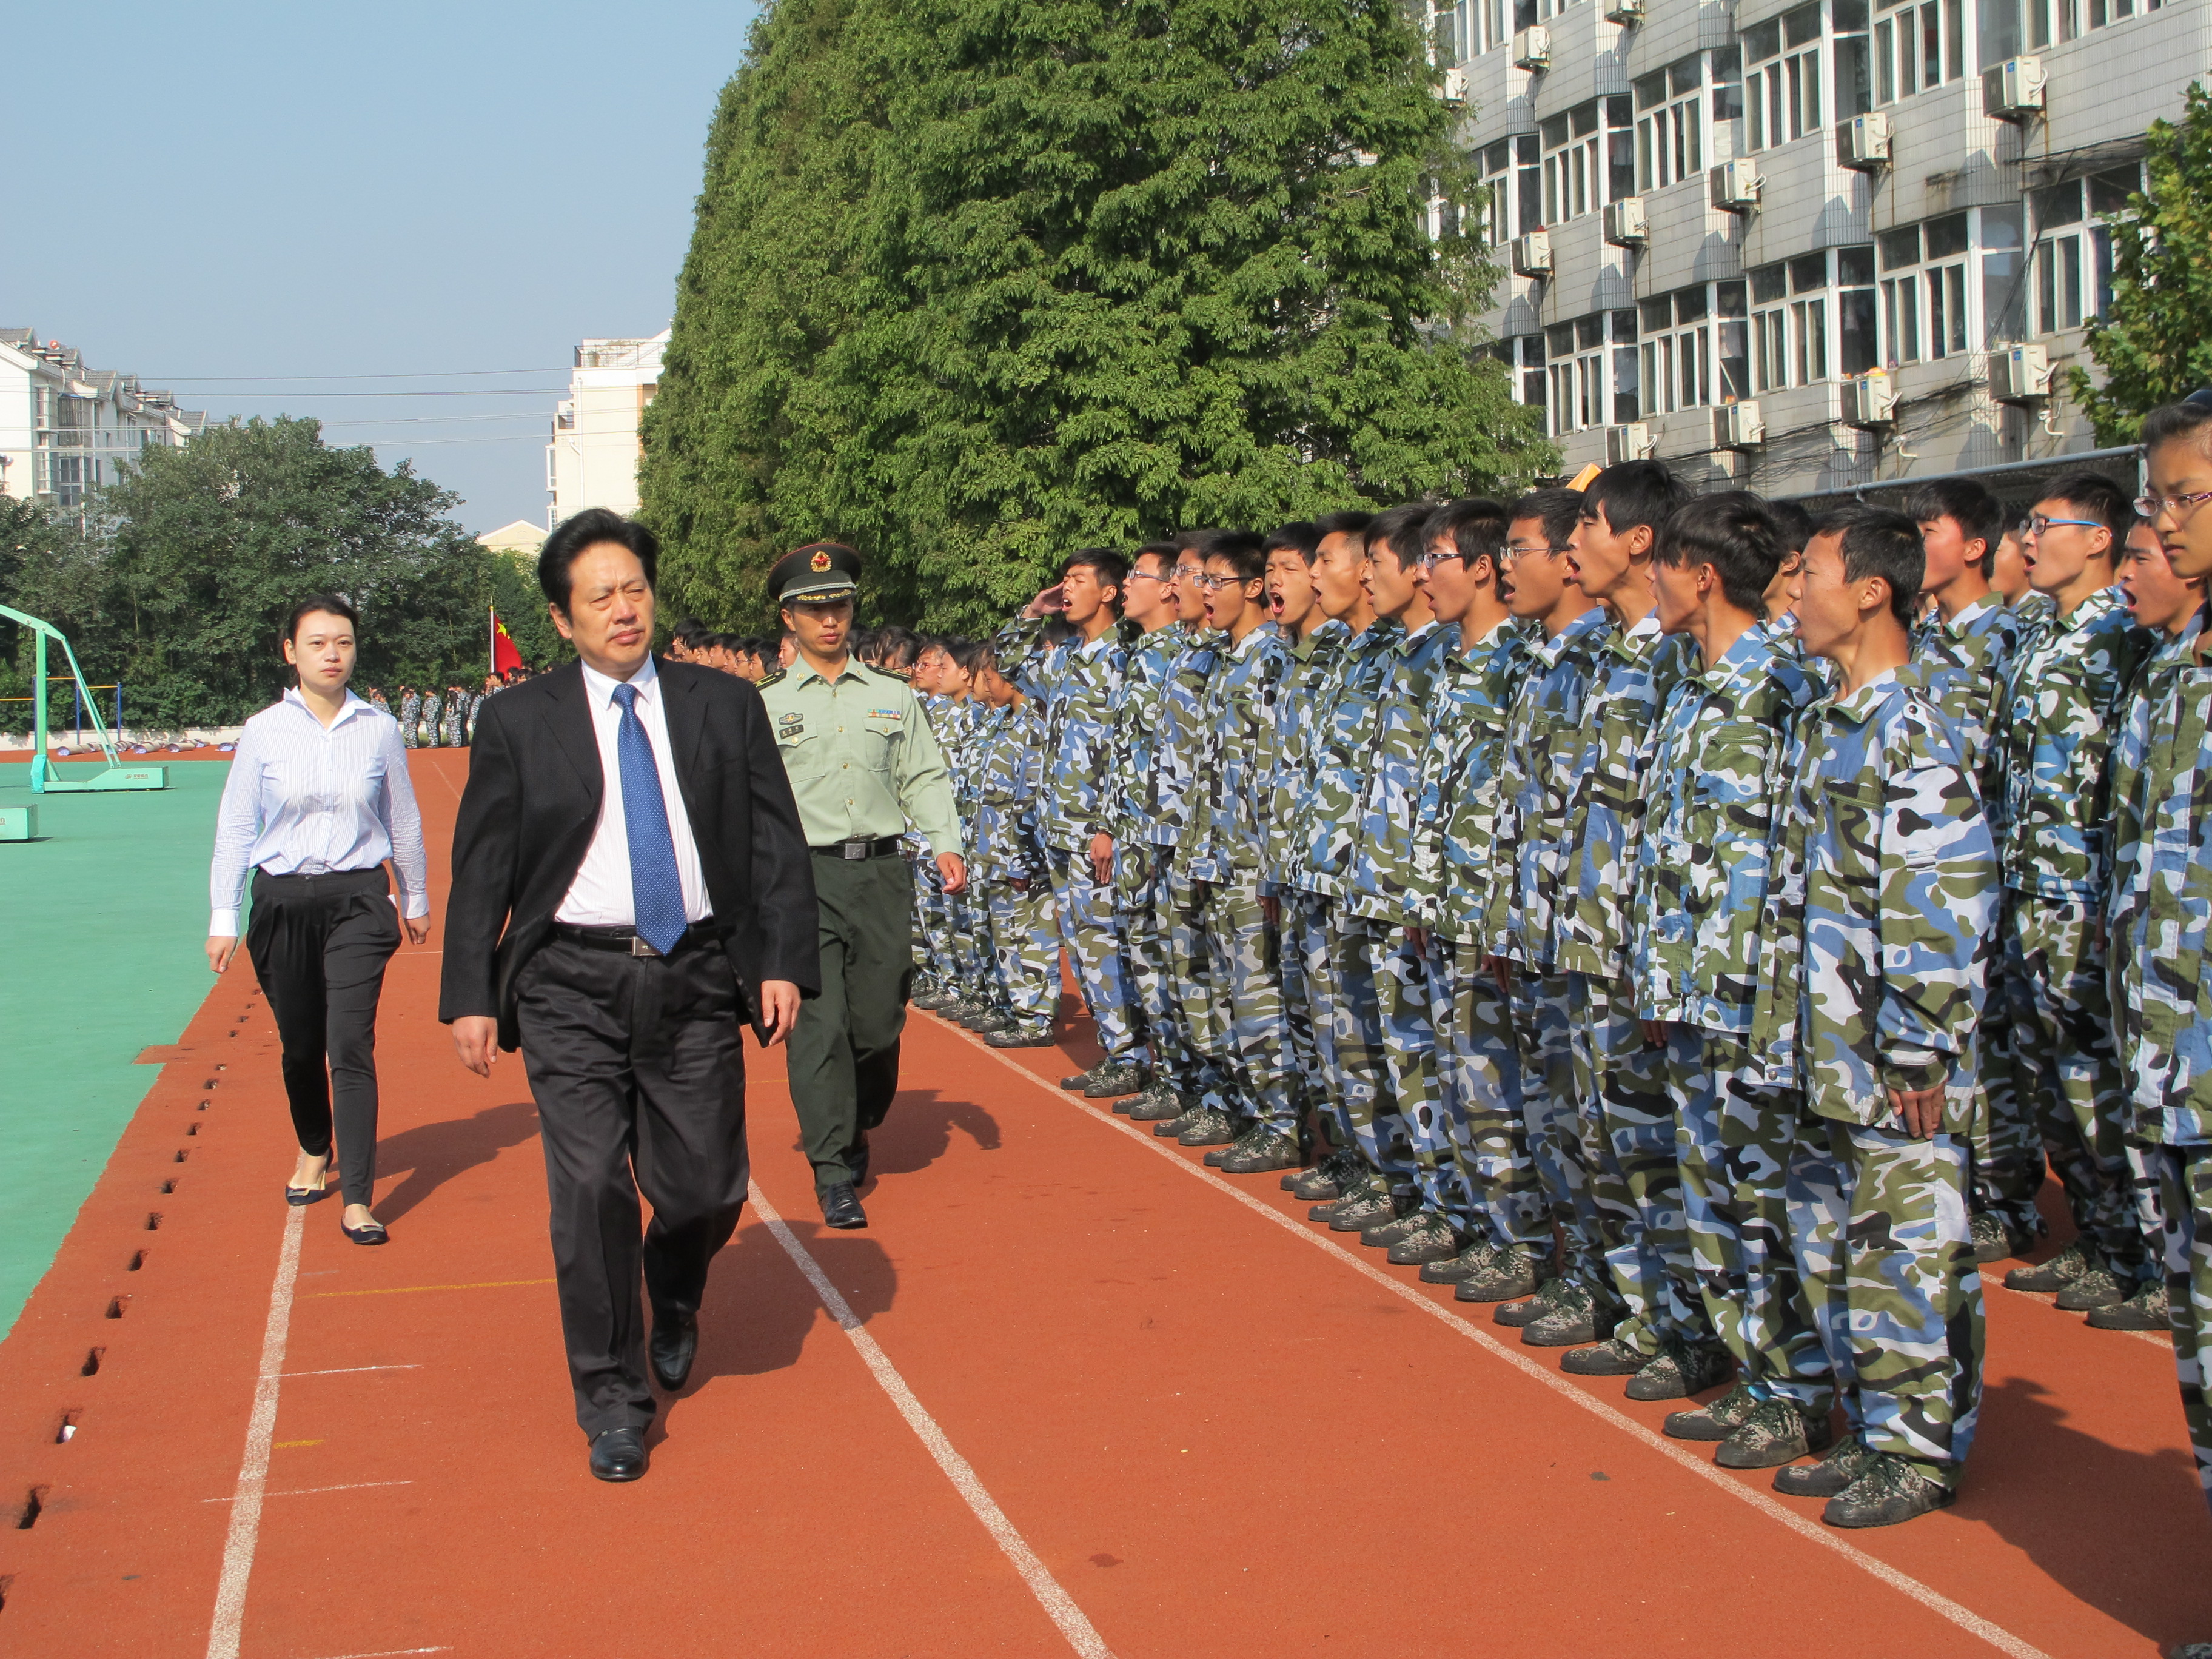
(455, 391)
(417, 374)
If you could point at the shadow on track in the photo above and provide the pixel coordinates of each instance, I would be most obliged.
(433, 1153)
(760, 1310)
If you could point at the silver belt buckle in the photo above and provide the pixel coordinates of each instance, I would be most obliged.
(641, 946)
(852, 850)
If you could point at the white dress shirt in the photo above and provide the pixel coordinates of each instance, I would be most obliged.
(302, 799)
(600, 895)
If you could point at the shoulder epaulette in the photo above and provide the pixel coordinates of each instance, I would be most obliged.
(902, 675)
(771, 679)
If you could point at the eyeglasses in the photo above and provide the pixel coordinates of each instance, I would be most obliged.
(1215, 583)
(2038, 522)
(1147, 576)
(1191, 572)
(2151, 506)
(1515, 549)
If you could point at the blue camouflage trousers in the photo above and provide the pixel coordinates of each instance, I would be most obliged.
(1543, 1035)
(1348, 1032)
(1495, 1193)
(1627, 1124)
(2182, 1177)
(1024, 947)
(2005, 1164)
(1149, 892)
(1732, 1140)
(1245, 964)
(926, 978)
(1416, 1110)
(1090, 933)
(1878, 1222)
(1302, 927)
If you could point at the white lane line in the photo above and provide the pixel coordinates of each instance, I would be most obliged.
(1058, 1606)
(391, 1653)
(1965, 1618)
(350, 1370)
(253, 1467)
(309, 1492)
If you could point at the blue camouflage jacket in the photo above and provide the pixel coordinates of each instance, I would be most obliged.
(1240, 762)
(1462, 770)
(1383, 880)
(1343, 750)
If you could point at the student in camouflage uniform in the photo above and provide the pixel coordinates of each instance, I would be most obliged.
(1494, 1200)
(2062, 705)
(1964, 648)
(410, 710)
(1007, 870)
(433, 708)
(1889, 878)
(1701, 938)
(935, 952)
(1546, 749)
(1619, 1080)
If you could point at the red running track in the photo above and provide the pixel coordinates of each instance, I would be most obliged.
(1205, 1426)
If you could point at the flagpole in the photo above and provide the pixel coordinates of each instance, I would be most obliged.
(491, 639)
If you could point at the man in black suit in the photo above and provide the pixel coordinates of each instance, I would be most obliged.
(629, 883)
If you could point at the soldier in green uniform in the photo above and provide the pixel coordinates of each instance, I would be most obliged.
(863, 765)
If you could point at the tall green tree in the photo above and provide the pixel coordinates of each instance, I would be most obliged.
(181, 576)
(2155, 346)
(1067, 272)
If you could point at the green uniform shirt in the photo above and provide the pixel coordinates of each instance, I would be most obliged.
(861, 759)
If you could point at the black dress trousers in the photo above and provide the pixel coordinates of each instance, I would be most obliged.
(638, 1072)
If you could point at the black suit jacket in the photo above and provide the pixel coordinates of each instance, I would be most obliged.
(532, 803)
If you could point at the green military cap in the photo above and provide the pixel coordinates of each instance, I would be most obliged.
(819, 570)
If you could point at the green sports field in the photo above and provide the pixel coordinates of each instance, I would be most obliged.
(106, 918)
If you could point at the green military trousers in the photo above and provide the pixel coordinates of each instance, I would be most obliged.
(844, 1052)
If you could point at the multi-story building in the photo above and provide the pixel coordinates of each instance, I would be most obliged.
(65, 429)
(592, 456)
(1808, 246)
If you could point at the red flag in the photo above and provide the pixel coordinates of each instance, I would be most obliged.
(504, 654)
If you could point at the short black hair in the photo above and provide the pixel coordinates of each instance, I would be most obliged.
(1559, 510)
(594, 524)
(1475, 525)
(896, 647)
(1878, 541)
(1165, 552)
(1245, 550)
(1792, 523)
(1732, 531)
(2097, 497)
(1112, 570)
(1979, 514)
(328, 603)
(2190, 418)
(1301, 536)
(1399, 529)
(691, 634)
(1635, 493)
(966, 654)
(1351, 522)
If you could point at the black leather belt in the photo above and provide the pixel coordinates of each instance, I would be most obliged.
(626, 939)
(860, 847)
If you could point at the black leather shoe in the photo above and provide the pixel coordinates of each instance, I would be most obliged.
(618, 1455)
(840, 1208)
(671, 1347)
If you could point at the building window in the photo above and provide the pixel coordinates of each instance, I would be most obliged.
(1782, 88)
(2049, 22)
(2072, 265)
(1677, 351)
(1584, 167)
(1523, 357)
(1592, 371)
(1513, 176)
(1670, 136)
(1918, 46)
(2004, 269)
(1858, 339)
(1923, 290)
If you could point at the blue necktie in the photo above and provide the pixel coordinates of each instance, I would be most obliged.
(656, 892)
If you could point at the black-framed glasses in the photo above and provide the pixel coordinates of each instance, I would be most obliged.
(1215, 583)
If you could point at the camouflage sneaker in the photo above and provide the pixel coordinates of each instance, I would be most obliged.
(2099, 1287)
(1211, 1127)
(1611, 1357)
(1679, 1373)
(2191, 1650)
(1889, 1492)
(2055, 1274)
(1329, 1178)
(1108, 1081)
(2145, 1310)
(1573, 1321)
(1262, 1149)
(1358, 1186)
(930, 1001)
(1778, 1431)
(1017, 1037)
(1469, 1263)
(1511, 1273)
(1156, 1107)
(1518, 1314)
(1990, 1244)
(1384, 1233)
(1361, 1211)
(1433, 1240)
(1075, 1085)
(1169, 1129)
(990, 1021)
(1831, 1475)
(1715, 1422)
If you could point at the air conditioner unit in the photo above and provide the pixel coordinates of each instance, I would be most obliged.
(1633, 442)
(1532, 49)
(1734, 186)
(1739, 426)
(2020, 375)
(1455, 86)
(1862, 143)
(1625, 224)
(2013, 90)
(1531, 254)
(1870, 401)
(1624, 12)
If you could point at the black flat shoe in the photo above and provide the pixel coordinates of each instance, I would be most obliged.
(618, 1455)
(372, 1234)
(300, 1197)
(673, 1346)
(841, 1209)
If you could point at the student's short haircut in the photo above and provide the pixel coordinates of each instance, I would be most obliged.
(1164, 551)
(1399, 530)
(327, 604)
(1792, 523)
(2093, 495)
(1246, 550)
(861, 642)
(1979, 514)
(1879, 542)
(594, 524)
(1110, 567)
(1732, 531)
(1189, 541)
(1635, 493)
(2190, 418)
(691, 634)
(1558, 510)
(968, 654)
(1300, 536)
(1350, 522)
(1475, 524)
(895, 647)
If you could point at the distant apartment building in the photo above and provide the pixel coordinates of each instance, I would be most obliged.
(64, 429)
(1805, 245)
(592, 458)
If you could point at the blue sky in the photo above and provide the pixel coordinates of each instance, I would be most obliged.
(206, 193)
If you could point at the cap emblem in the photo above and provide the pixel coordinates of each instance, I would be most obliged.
(820, 561)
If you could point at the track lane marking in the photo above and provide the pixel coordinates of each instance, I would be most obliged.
(1935, 1601)
(350, 1370)
(409, 1290)
(1058, 1606)
(309, 1492)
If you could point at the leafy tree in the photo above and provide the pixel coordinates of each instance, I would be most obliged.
(181, 576)
(521, 605)
(2155, 345)
(977, 281)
